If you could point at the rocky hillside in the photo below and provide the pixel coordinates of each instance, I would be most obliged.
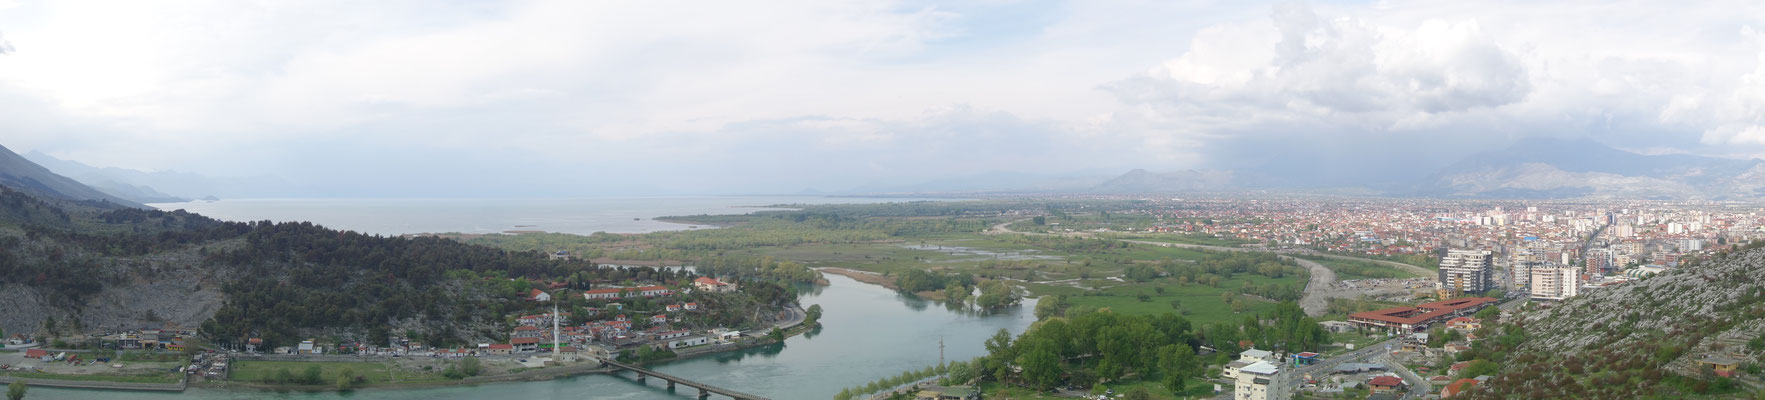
(1641, 339)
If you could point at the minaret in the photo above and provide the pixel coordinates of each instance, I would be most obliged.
(555, 316)
(940, 351)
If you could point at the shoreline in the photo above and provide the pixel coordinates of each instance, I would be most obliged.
(531, 375)
(880, 280)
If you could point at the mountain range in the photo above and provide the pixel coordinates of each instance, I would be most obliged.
(20, 173)
(1535, 168)
(161, 186)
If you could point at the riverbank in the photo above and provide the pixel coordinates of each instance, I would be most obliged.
(105, 385)
(584, 366)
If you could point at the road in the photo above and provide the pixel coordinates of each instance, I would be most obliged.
(1290, 379)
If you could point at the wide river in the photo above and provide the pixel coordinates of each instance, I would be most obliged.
(868, 332)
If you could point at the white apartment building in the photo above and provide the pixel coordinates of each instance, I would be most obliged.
(1254, 381)
(1466, 271)
(1555, 283)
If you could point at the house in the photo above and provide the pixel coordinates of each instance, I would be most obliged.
(1385, 383)
(947, 393)
(673, 334)
(653, 291)
(1305, 358)
(1457, 387)
(673, 308)
(712, 285)
(1459, 366)
(525, 345)
(1455, 348)
(1231, 369)
(500, 349)
(688, 342)
(526, 331)
(1723, 366)
(602, 294)
(36, 353)
(250, 344)
(692, 306)
(1254, 355)
(560, 255)
(659, 318)
(307, 347)
(538, 295)
(1464, 324)
(1253, 381)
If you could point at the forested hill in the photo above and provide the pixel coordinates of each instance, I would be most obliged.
(1639, 339)
(70, 267)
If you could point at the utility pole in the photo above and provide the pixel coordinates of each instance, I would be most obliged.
(941, 355)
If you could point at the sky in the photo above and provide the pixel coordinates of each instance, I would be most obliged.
(577, 98)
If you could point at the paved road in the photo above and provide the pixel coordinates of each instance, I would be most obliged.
(1419, 387)
(1290, 379)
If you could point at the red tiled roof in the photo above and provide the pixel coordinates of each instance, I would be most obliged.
(500, 346)
(523, 340)
(709, 281)
(1385, 381)
(1456, 387)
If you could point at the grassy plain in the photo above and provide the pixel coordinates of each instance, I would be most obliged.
(1354, 269)
(257, 371)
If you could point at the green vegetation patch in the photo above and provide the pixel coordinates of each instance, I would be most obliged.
(1356, 269)
(263, 371)
(164, 377)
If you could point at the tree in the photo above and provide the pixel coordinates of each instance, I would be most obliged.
(1139, 393)
(283, 376)
(470, 366)
(16, 391)
(1039, 220)
(1177, 361)
(1040, 368)
(1479, 368)
(1050, 306)
(814, 315)
(346, 379)
(312, 376)
(776, 334)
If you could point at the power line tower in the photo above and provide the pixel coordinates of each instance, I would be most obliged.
(941, 355)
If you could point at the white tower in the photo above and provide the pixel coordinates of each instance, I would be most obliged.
(555, 316)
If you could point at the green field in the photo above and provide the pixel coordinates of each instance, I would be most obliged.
(1197, 239)
(165, 377)
(1202, 303)
(257, 371)
(1355, 269)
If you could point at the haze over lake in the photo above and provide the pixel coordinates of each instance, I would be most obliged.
(579, 216)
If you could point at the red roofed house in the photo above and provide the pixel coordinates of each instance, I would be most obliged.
(659, 318)
(36, 353)
(692, 306)
(1384, 383)
(713, 285)
(1457, 387)
(538, 295)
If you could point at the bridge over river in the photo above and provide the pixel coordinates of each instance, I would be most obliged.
(704, 390)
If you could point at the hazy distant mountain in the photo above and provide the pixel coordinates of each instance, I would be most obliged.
(20, 173)
(1550, 168)
(1143, 181)
(161, 186)
(998, 182)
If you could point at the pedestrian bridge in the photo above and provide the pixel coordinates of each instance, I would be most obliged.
(704, 390)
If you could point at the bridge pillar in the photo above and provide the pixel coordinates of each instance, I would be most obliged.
(704, 393)
(670, 385)
(640, 377)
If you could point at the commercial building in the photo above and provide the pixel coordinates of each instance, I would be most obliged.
(1466, 271)
(1420, 317)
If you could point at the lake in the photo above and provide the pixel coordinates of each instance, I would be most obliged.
(868, 332)
(579, 216)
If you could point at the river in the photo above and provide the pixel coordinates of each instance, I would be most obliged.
(868, 332)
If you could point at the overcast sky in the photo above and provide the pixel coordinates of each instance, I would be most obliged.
(545, 98)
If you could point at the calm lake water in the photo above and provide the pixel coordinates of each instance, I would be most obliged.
(578, 216)
(868, 332)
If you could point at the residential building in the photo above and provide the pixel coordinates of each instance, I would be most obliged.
(688, 342)
(1385, 383)
(1466, 271)
(713, 285)
(1555, 283)
(1253, 381)
(539, 295)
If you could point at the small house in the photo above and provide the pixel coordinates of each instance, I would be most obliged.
(1385, 384)
(1723, 366)
(501, 349)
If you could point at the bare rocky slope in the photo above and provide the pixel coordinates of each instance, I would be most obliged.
(1640, 339)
